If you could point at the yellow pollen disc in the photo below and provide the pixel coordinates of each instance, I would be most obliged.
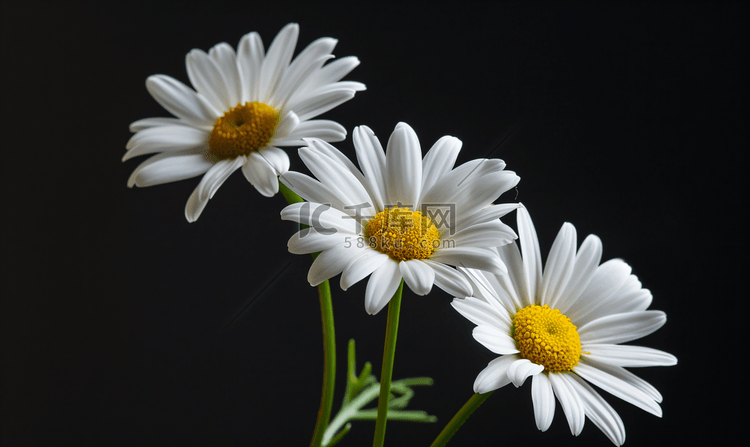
(243, 129)
(546, 337)
(403, 234)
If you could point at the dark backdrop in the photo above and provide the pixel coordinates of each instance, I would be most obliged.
(122, 324)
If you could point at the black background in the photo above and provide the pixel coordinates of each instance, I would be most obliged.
(118, 317)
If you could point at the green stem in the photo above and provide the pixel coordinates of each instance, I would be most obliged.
(458, 420)
(329, 343)
(389, 351)
(329, 368)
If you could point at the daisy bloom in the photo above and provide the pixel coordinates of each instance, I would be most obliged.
(563, 325)
(401, 216)
(245, 104)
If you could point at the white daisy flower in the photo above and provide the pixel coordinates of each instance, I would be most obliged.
(562, 326)
(401, 216)
(244, 106)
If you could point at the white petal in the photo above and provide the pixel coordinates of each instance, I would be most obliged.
(496, 340)
(216, 176)
(146, 123)
(326, 130)
(587, 260)
(439, 160)
(320, 102)
(226, 60)
(621, 328)
(360, 267)
(543, 399)
(599, 411)
(371, 158)
(310, 189)
(250, 54)
(210, 183)
(207, 79)
(633, 301)
(381, 286)
(559, 266)
(308, 240)
(165, 139)
(486, 288)
(314, 51)
(495, 375)
(457, 181)
(471, 257)
(514, 283)
(532, 258)
(277, 158)
(607, 279)
(403, 161)
(501, 299)
(481, 313)
(168, 167)
(488, 234)
(340, 180)
(618, 388)
(625, 298)
(261, 174)
(627, 377)
(306, 63)
(194, 206)
(181, 101)
(277, 60)
(487, 214)
(322, 217)
(335, 156)
(521, 369)
(472, 186)
(332, 72)
(418, 276)
(570, 402)
(449, 279)
(287, 125)
(626, 355)
(331, 262)
(476, 193)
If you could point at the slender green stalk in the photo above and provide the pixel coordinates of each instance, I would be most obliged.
(329, 368)
(458, 420)
(389, 351)
(329, 343)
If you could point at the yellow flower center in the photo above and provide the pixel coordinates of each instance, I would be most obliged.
(546, 337)
(243, 129)
(403, 234)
